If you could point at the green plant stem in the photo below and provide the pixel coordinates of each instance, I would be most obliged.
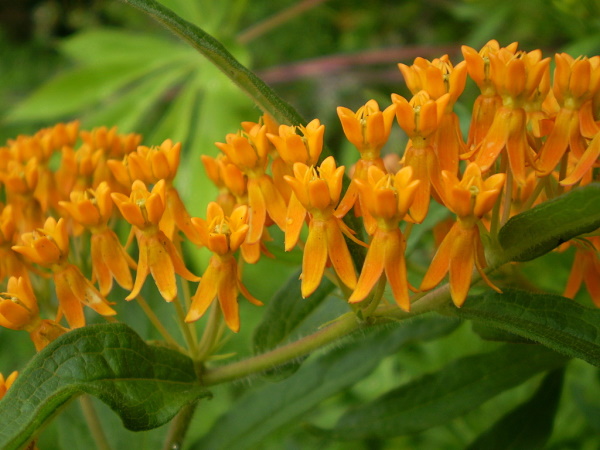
(185, 329)
(179, 427)
(261, 94)
(93, 422)
(157, 323)
(343, 326)
(211, 332)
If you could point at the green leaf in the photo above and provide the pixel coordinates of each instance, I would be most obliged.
(529, 425)
(557, 322)
(262, 95)
(145, 385)
(259, 413)
(80, 88)
(440, 397)
(496, 335)
(105, 45)
(534, 233)
(128, 109)
(283, 318)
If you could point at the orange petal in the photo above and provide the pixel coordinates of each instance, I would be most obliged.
(461, 264)
(257, 211)
(372, 268)
(227, 294)
(339, 254)
(441, 261)
(294, 221)
(206, 292)
(69, 304)
(315, 258)
(395, 269)
(142, 267)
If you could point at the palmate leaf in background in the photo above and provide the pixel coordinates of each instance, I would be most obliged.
(145, 385)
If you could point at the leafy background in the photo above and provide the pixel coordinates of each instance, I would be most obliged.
(106, 64)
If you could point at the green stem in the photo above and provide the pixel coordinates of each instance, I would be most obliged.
(89, 412)
(343, 326)
(211, 332)
(179, 427)
(157, 323)
(261, 94)
(185, 329)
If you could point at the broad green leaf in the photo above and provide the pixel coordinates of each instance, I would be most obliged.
(259, 413)
(106, 45)
(494, 334)
(80, 88)
(557, 322)
(529, 425)
(145, 385)
(441, 397)
(283, 319)
(534, 233)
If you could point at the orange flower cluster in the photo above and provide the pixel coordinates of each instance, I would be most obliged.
(530, 138)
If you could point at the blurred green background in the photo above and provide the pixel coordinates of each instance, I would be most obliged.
(105, 63)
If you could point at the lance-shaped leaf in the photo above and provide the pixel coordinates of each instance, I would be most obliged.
(144, 384)
(534, 233)
(285, 318)
(530, 424)
(259, 413)
(557, 322)
(440, 397)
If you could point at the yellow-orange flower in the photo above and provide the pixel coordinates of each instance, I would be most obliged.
(249, 151)
(470, 199)
(576, 81)
(157, 254)
(93, 209)
(368, 129)
(49, 247)
(437, 78)
(420, 119)
(516, 78)
(11, 263)
(388, 199)
(223, 236)
(19, 311)
(5, 384)
(316, 193)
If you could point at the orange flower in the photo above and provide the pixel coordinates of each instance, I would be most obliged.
(316, 193)
(5, 384)
(388, 199)
(151, 164)
(223, 236)
(19, 311)
(157, 253)
(249, 151)
(586, 269)
(420, 119)
(368, 130)
(470, 199)
(486, 104)
(11, 262)
(93, 209)
(576, 81)
(49, 247)
(437, 78)
(516, 78)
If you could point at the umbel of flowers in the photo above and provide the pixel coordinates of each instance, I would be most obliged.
(531, 136)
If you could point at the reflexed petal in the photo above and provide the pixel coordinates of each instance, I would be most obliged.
(227, 293)
(395, 269)
(69, 303)
(142, 267)
(462, 260)
(585, 163)
(206, 292)
(257, 211)
(441, 261)
(273, 200)
(556, 144)
(339, 254)
(294, 221)
(372, 268)
(315, 258)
